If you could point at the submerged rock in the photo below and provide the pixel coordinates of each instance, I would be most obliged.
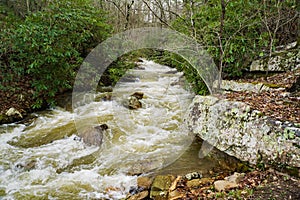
(27, 166)
(93, 135)
(144, 166)
(35, 138)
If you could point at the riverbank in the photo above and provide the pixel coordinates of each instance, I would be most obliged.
(18, 99)
(258, 183)
(268, 184)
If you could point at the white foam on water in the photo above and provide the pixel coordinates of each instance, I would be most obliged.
(139, 141)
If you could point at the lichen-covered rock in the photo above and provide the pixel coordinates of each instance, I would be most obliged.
(246, 134)
(239, 87)
(280, 61)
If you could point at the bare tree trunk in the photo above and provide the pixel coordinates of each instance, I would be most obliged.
(155, 14)
(128, 11)
(222, 19)
(272, 34)
(192, 3)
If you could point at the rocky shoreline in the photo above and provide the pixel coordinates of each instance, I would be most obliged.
(252, 185)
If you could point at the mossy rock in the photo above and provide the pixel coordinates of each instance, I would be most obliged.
(4, 119)
(2, 192)
(85, 160)
(160, 186)
(43, 136)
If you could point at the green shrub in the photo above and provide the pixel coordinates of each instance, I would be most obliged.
(49, 46)
(245, 34)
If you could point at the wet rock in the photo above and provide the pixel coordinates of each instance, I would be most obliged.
(106, 96)
(93, 135)
(135, 190)
(172, 71)
(139, 196)
(134, 100)
(223, 185)
(129, 79)
(34, 138)
(144, 182)
(134, 103)
(144, 166)
(138, 95)
(105, 89)
(140, 67)
(85, 160)
(160, 186)
(27, 166)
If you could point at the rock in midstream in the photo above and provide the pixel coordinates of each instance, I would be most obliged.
(93, 135)
(35, 138)
(134, 100)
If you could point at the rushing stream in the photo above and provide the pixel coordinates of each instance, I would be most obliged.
(44, 158)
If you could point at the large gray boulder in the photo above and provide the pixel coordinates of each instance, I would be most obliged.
(239, 131)
(230, 85)
(284, 60)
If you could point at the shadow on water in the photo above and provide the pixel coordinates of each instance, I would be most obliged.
(216, 162)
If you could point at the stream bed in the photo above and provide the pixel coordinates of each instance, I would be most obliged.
(43, 158)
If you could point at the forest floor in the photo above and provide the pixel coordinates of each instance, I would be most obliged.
(281, 103)
(19, 96)
(256, 185)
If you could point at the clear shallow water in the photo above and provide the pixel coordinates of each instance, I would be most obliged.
(43, 159)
